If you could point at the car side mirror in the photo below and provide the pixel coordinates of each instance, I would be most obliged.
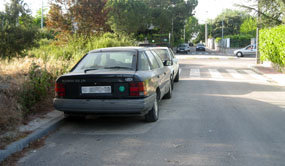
(167, 63)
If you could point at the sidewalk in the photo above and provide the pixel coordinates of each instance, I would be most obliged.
(37, 128)
(271, 73)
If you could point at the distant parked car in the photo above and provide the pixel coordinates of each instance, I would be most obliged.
(248, 50)
(191, 44)
(115, 81)
(200, 47)
(166, 54)
(185, 48)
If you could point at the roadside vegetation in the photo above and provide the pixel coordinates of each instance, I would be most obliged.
(32, 58)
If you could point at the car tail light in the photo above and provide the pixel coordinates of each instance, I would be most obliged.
(59, 90)
(138, 89)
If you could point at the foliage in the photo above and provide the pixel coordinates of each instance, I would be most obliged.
(238, 41)
(232, 20)
(272, 45)
(84, 17)
(17, 32)
(271, 11)
(74, 47)
(201, 34)
(191, 28)
(38, 18)
(140, 17)
(128, 16)
(249, 27)
(36, 88)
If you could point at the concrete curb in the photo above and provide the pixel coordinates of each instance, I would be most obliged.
(37, 134)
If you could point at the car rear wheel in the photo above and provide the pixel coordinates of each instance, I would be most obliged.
(153, 114)
(239, 54)
(177, 77)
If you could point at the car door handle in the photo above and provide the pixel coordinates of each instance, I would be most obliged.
(164, 73)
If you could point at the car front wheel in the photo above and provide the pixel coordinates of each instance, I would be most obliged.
(153, 114)
(239, 54)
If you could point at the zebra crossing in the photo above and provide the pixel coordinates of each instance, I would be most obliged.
(220, 74)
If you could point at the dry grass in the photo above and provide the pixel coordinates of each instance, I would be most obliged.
(13, 74)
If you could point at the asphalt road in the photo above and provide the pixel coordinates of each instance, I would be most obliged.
(221, 113)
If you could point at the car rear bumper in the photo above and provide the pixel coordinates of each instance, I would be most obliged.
(105, 106)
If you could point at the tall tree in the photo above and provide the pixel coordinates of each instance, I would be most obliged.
(272, 12)
(229, 21)
(191, 28)
(128, 16)
(249, 26)
(85, 16)
(17, 32)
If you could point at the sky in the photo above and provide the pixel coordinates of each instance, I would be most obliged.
(210, 9)
(206, 9)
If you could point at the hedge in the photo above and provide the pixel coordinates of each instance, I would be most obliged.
(238, 41)
(272, 45)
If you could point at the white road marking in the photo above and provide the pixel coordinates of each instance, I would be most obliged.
(215, 73)
(195, 72)
(255, 75)
(235, 74)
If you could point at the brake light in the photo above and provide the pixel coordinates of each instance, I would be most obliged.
(138, 89)
(59, 90)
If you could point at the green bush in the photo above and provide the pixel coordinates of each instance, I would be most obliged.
(36, 88)
(272, 45)
(238, 41)
(15, 39)
(75, 47)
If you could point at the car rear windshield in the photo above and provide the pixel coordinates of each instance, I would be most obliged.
(107, 60)
(182, 45)
(162, 53)
(201, 45)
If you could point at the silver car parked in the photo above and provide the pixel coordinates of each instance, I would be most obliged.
(248, 50)
(166, 54)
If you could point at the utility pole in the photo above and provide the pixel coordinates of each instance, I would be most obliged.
(172, 35)
(184, 34)
(223, 29)
(42, 19)
(257, 33)
(206, 34)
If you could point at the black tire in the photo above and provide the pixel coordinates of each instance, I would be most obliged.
(169, 93)
(176, 79)
(239, 54)
(153, 114)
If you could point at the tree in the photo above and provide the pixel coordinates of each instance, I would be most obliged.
(249, 27)
(232, 20)
(84, 17)
(136, 16)
(272, 11)
(191, 28)
(17, 31)
(128, 16)
(38, 17)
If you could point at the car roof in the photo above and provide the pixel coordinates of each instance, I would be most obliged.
(113, 49)
(155, 48)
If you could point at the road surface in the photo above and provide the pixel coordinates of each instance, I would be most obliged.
(221, 113)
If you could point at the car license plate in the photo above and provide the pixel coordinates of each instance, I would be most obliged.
(96, 89)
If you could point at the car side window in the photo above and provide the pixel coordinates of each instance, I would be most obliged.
(143, 62)
(171, 53)
(152, 60)
(158, 60)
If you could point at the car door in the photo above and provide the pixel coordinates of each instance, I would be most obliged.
(159, 72)
(247, 50)
(175, 62)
